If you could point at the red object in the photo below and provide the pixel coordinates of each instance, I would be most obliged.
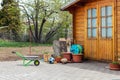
(58, 59)
(114, 66)
(77, 58)
(67, 55)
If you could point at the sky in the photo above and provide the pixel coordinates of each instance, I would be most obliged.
(0, 3)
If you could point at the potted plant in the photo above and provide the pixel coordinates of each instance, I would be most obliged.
(114, 66)
(77, 55)
(58, 59)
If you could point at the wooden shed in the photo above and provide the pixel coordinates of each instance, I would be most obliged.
(96, 26)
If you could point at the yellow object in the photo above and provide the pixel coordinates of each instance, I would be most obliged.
(46, 57)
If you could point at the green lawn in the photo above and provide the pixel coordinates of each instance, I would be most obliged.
(20, 44)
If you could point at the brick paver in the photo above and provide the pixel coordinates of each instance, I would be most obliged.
(14, 70)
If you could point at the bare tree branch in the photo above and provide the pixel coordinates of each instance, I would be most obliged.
(29, 23)
(52, 32)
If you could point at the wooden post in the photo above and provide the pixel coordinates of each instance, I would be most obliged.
(30, 42)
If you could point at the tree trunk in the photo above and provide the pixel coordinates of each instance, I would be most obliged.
(41, 28)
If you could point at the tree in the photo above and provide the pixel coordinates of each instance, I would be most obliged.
(38, 14)
(63, 17)
(45, 19)
(9, 16)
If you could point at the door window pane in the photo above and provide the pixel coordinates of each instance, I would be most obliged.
(94, 22)
(103, 11)
(103, 22)
(94, 32)
(89, 22)
(109, 32)
(109, 10)
(89, 13)
(104, 32)
(109, 21)
(89, 33)
(94, 13)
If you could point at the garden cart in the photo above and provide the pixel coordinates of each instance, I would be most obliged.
(28, 59)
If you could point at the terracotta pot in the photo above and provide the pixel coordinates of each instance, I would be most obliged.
(67, 55)
(58, 59)
(114, 66)
(77, 58)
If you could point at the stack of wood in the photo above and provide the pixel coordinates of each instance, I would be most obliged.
(60, 46)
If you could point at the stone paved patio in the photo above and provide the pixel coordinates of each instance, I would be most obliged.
(13, 70)
(95, 66)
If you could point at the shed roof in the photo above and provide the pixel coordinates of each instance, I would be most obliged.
(70, 4)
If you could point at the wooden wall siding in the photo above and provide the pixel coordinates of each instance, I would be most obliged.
(118, 26)
(79, 26)
(97, 49)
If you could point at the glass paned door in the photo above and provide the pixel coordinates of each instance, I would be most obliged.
(99, 31)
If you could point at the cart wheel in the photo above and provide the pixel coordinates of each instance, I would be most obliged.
(36, 62)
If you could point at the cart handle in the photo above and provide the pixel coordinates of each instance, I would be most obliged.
(19, 54)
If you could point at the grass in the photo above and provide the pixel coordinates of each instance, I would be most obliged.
(5, 43)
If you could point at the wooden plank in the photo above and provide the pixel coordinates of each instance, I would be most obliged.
(79, 28)
(113, 44)
(80, 24)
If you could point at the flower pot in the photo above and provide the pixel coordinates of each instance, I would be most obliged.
(67, 55)
(114, 66)
(77, 58)
(58, 59)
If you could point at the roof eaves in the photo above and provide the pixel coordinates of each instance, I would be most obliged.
(69, 4)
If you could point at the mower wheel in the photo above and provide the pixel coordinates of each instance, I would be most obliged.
(36, 62)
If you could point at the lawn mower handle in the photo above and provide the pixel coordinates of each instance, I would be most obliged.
(13, 52)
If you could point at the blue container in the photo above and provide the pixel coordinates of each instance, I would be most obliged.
(76, 49)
